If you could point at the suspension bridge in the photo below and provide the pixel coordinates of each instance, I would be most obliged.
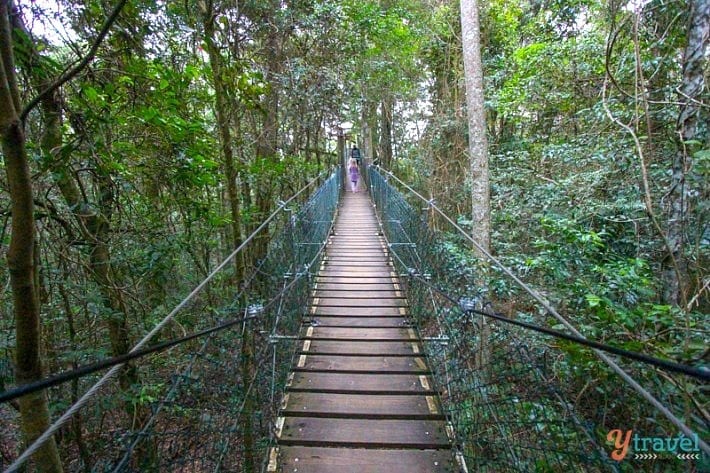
(358, 344)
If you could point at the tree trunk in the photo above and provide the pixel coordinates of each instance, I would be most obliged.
(34, 410)
(386, 133)
(684, 178)
(478, 144)
(224, 126)
(225, 136)
(77, 424)
(369, 132)
(267, 139)
(478, 148)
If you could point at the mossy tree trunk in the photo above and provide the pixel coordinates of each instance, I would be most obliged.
(686, 182)
(34, 410)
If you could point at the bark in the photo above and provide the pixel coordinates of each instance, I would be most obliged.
(95, 225)
(369, 133)
(449, 163)
(478, 149)
(267, 141)
(77, 424)
(448, 159)
(225, 135)
(342, 159)
(682, 192)
(34, 410)
(224, 127)
(386, 153)
(478, 144)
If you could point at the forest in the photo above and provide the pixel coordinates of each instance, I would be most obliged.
(143, 141)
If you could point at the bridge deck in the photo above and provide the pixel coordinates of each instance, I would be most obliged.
(360, 398)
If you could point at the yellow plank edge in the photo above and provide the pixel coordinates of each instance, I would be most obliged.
(424, 382)
(431, 403)
(273, 460)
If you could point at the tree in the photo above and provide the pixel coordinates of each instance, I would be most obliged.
(445, 131)
(477, 141)
(686, 183)
(21, 257)
(209, 13)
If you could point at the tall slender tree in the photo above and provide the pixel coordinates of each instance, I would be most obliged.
(210, 12)
(21, 256)
(477, 142)
(684, 177)
(477, 145)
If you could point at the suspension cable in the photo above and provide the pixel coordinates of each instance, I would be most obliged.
(699, 373)
(73, 409)
(277, 297)
(552, 311)
(90, 368)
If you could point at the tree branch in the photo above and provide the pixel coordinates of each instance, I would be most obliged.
(71, 73)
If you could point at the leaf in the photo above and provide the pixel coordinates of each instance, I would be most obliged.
(593, 300)
(91, 94)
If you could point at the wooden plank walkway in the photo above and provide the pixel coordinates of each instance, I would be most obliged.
(360, 397)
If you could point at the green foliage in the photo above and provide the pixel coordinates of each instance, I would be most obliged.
(385, 42)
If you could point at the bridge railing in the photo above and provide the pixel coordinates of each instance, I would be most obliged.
(514, 398)
(206, 403)
(222, 395)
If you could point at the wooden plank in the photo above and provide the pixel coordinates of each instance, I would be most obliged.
(346, 333)
(370, 258)
(372, 261)
(349, 279)
(357, 267)
(354, 285)
(363, 348)
(356, 292)
(349, 460)
(361, 383)
(327, 299)
(356, 311)
(361, 406)
(360, 398)
(340, 321)
(359, 273)
(352, 254)
(365, 364)
(372, 433)
(344, 243)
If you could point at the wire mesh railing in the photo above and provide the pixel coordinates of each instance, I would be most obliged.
(215, 398)
(515, 400)
(208, 404)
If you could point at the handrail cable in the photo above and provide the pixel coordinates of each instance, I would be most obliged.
(440, 320)
(552, 311)
(69, 413)
(277, 297)
(297, 277)
(699, 373)
(90, 368)
(671, 366)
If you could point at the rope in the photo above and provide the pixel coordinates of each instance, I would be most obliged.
(85, 370)
(702, 373)
(69, 413)
(278, 297)
(91, 368)
(552, 311)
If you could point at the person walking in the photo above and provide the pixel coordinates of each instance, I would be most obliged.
(354, 174)
(355, 154)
